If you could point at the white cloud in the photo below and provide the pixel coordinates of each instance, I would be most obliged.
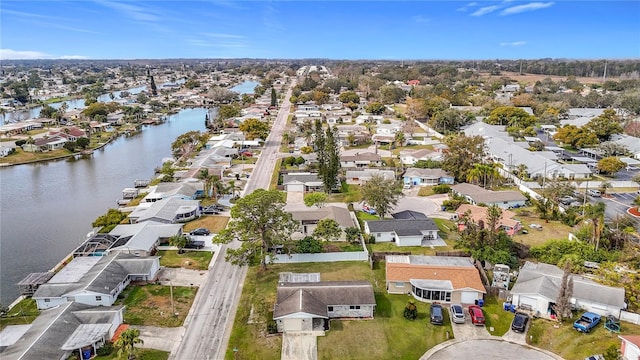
(224, 36)
(526, 7)
(486, 10)
(466, 7)
(9, 54)
(132, 11)
(513, 44)
(420, 19)
(216, 44)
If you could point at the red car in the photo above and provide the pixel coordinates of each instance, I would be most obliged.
(477, 317)
(246, 153)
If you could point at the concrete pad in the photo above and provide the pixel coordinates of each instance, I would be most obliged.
(181, 276)
(295, 197)
(160, 338)
(12, 333)
(301, 345)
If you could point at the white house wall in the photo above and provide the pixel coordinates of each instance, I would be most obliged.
(385, 236)
(53, 302)
(409, 240)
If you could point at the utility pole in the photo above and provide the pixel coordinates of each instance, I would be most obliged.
(604, 77)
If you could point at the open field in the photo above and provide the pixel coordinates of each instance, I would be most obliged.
(563, 340)
(151, 305)
(551, 230)
(21, 156)
(215, 224)
(196, 260)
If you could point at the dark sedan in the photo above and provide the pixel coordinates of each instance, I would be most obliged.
(200, 232)
(519, 323)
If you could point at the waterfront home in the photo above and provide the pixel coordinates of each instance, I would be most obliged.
(307, 306)
(68, 329)
(404, 232)
(168, 211)
(165, 190)
(95, 280)
(142, 238)
(50, 143)
(443, 279)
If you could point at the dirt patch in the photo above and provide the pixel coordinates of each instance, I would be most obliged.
(532, 78)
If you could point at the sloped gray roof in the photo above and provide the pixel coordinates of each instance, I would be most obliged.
(426, 173)
(401, 225)
(103, 277)
(545, 280)
(51, 329)
(339, 214)
(409, 215)
(304, 178)
(314, 297)
(165, 210)
(144, 235)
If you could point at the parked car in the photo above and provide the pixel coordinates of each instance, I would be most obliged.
(407, 186)
(519, 322)
(587, 322)
(594, 193)
(435, 314)
(536, 226)
(194, 244)
(457, 314)
(210, 210)
(199, 232)
(566, 200)
(477, 317)
(595, 357)
(246, 153)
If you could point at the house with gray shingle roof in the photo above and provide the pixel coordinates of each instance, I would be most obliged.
(476, 195)
(308, 306)
(360, 160)
(144, 237)
(57, 332)
(428, 177)
(95, 280)
(359, 177)
(310, 217)
(167, 211)
(538, 286)
(404, 232)
(302, 182)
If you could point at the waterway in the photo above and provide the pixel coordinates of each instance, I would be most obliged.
(247, 87)
(46, 209)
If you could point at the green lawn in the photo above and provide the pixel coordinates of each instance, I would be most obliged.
(215, 224)
(387, 336)
(141, 354)
(352, 195)
(563, 340)
(196, 260)
(23, 313)
(151, 305)
(496, 317)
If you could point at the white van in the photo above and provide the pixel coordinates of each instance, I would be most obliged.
(594, 193)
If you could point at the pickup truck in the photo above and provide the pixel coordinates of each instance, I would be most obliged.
(587, 322)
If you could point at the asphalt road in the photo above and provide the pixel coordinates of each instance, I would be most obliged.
(208, 325)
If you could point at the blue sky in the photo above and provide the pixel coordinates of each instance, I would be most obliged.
(108, 29)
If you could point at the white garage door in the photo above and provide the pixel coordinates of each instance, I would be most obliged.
(530, 301)
(468, 297)
(295, 187)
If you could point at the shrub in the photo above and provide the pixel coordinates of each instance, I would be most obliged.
(21, 142)
(309, 245)
(410, 311)
(441, 189)
(272, 327)
(105, 350)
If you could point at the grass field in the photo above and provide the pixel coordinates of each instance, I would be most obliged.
(151, 305)
(563, 340)
(215, 224)
(141, 354)
(353, 195)
(21, 156)
(196, 260)
(23, 313)
(550, 230)
(496, 317)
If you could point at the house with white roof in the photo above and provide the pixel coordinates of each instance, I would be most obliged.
(168, 211)
(359, 177)
(538, 286)
(143, 237)
(95, 280)
(411, 157)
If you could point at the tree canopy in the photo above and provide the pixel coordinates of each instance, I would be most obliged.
(254, 129)
(381, 194)
(259, 222)
(464, 152)
(328, 230)
(610, 165)
(315, 199)
(511, 117)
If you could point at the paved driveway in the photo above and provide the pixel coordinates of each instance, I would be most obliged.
(160, 338)
(300, 345)
(181, 276)
(487, 349)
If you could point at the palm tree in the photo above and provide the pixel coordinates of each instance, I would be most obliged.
(308, 136)
(604, 186)
(126, 343)
(399, 138)
(595, 213)
(521, 171)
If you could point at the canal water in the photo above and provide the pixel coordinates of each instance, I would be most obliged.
(46, 209)
(247, 87)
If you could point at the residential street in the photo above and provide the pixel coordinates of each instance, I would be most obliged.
(208, 325)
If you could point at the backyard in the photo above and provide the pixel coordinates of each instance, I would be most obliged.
(564, 340)
(215, 224)
(387, 334)
(550, 230)
(196, 260)
(23, 313)
(152, 305)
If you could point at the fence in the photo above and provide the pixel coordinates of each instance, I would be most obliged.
(630, 317)
(321, 257)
